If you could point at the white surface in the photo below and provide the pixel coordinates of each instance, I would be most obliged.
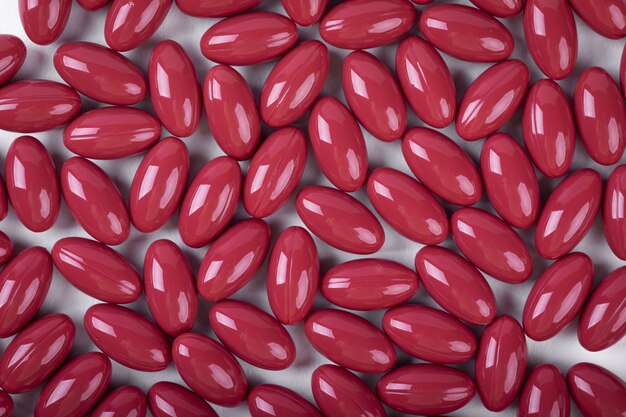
(563, 350)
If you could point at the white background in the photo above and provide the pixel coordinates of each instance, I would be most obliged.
(563, 350)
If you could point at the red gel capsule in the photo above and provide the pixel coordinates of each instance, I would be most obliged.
(174, 89)
(37, 106)
(166, 399)
(294, 83)
(97, 270)
(608, 17)
(339, 392)
(492, 99)
(13, 53)
(544, 394)
(292, 275)
(613, 209)
(501, 363)
(231, 111)
(269, 400)
(209, 369)
(425, 389)
(510, 180)
(338, 144)
(466, 33)
(88, 376)
(94, 201)
(36, 353)
(622, 72)
(129, 23)
(100, 73)
(426, 81)
(374, 95)
(442, 166)
(159, 184)
(252, 334)
(44, 20)
(551, 36)
(429, 334)
(112, 133)
(4, 202)
(464, 292)
(364, 24)
(600, 115)
(249, 38)
(126, 401)
(24, 283)
(491, 245)
(233, 259)
(32, 184)
(602, 322)
(596, 391)
(350, 341)
(170, 287)
(500, 8)
(548, 128)
(6, 405)
(369, 284)
(274, 172)
(209, 202)
(92, 4)
(213, 8)
(407, 206)
(339, 219)
(127, 337)
(6, 248)
(305, 13)
(568, 214)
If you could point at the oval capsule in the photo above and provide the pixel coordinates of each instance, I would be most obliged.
(94, 201)
(368, 284)
(600, 115)
(608, 17)
(613, 207)
(126, 401)
(463, 292)
(249, 38)
(6, 405)
(492, 99)
(267, 400)
(350, 341)
(500, 8)
(568, 214)
(174, 89)
(374, 95)
(37, 105)
(558, 296)
(13, 53)
(100, 73)
(466, 33)
(339, 219)
(548, 128)
(510, 180)
(338, 144)
(36, 353)
(92, 4)
(429, 334)
(274, 172)
(129, 23)
(305, 13)
(204, 215)
(6, 249)
(292, 275)
(24, 284)
(209, 369)
(233, 259)
(97, 270)
(167, 399)
(44, 20)
(212, 8)
(407, 206)
(544, 394)
(596, 391)
(32, 183)
(252, 334)
(364, 24)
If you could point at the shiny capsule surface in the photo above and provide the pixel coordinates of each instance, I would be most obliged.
(129, 23)
(596, 391)
(32, 183)
(97, 270)
(568, 214)
(368, 284)
(6, 405)
(127, 337)
(267, 400)
(6, 248)
(13, 53)
(305, 13)
(350, 341)
(544, 394)
(92, 4)
(249, 38)
(374, 95)
(233, 259)
(339, 220)
(212, 8)
(608, 17)
(613, 209)
(166, 399)
(95, 201)
(500, 8)
(126, 401)
(274, 172)
(44, 20)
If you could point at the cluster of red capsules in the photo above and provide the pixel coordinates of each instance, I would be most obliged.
(376, 100)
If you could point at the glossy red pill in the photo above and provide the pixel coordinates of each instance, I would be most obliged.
(607, 17)
(13, 53)
(6, 248)
(129, 23)
(269, 400)
(92, 4)
(305, 12)
(500, 8)
(212, 8)
(6, 405)
(596, 391)
(32, 183)
(613, 209)
(97, 270)
(544, 394)
(126, 401)
(44, 20)
(166, 399)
